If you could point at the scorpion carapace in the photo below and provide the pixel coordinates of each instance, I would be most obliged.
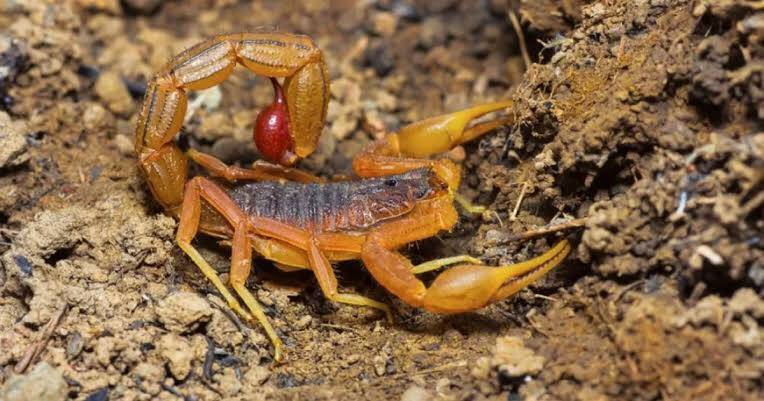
(338, 206)
(289, 217)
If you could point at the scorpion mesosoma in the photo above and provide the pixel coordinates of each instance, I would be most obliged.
(296, 219)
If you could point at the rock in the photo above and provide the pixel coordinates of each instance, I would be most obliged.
(433, 33)
(512, 357)
(110, 88)
(43, 383)
(107, 6)
(384, 23)
(223, 331)
(257, 374)
(183, 311)
(303, 323)
(229, 383)
(124, 145)
(176, 351)
(343, 126)
(379, 363)
(151, 376)
(416, 393)
(96, 118)
(13, 58)
(51, 231)
(13, 144)
(746, 300)
(216, 125)
(380, 57)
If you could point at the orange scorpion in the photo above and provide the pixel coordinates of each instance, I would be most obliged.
(300, 221)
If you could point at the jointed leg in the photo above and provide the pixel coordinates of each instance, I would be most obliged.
(187, 229)
(260, 171)
(467, 205)
(196, 190)
(241, 264)
(328, 282)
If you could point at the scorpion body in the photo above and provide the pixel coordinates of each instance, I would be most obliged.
(337, 206)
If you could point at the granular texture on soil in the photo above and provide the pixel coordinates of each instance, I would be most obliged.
(639, 127)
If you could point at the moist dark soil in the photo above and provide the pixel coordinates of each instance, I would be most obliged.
(638, 127)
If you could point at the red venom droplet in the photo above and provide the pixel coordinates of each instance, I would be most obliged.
(272, 136)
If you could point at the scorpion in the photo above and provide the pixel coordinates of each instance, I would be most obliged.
(300, 221)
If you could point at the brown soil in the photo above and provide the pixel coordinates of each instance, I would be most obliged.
(644, 118)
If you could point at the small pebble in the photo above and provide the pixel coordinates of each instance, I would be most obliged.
(380, 58)
(99, 395)
(175, 351)
(13, 145)
(433, 33)
(95, 117)
(384, 23)
(42, 383)
(303, 323)
(110, 88)
(183, 311)
(124, 145)
(416, 393)
(74, 345)
(257, 374)
(379, 362)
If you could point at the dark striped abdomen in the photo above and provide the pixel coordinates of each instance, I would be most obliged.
(335, 206)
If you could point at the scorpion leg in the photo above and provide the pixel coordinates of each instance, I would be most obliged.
(241, 265)
(261, 171)
(314, 246)
(328, 282)
(461, 288)
(200, 188)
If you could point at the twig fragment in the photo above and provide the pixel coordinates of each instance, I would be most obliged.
(513, 216)
(520, 37)
(536, 232)
(35, 349)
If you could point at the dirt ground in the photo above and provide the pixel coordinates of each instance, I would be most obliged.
(641, 120)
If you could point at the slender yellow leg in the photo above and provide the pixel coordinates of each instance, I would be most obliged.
(328, 283)
(438, 263)
(241, 264)
(241, 259)
(467, 205)
(360, 300)
(211, 275)
(257, 310)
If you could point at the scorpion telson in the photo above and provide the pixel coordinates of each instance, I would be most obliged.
(295, 219)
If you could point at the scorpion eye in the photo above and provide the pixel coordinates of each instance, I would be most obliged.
(391, 182)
